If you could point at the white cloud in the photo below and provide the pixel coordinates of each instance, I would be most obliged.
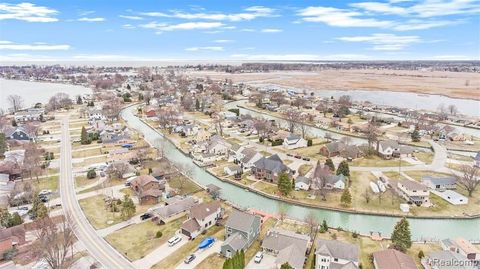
(204, 49)
(298, 57)
(271, 30)
(340, 17)
(135, 18)
(384, 41)
(27, 12)
(247, 30)
(162, 27)
(249, 13)
(96, 19)
(8, 45)
(223, 41)
(128, 26)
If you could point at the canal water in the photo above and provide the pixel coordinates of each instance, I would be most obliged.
(422, 229)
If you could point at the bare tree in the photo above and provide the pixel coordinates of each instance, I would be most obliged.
(469, 179)
(345, 100)
(282, 212)
(112, 108)
(442, 110)
(292, 117)
(15, 101)
(312, 222)
(366, 195)
(32, 163)
(452, 109)
(218, 117)
(118, 169)
(371, 133)
(319, 180)
(55, 242)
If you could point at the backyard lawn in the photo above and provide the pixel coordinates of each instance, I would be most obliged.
(304, 169)
(187, 186)
(136, 241)
(426, 157)
(50, 183)
(96, 213)
(376, 161)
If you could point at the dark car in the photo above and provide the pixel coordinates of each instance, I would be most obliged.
(145, 216)
(189, 258)
(43, 198)
(298, 156)
(306, 159)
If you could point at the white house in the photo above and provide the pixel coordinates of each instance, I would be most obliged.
(390, 148)
(414, 192)
(218, 146)
(294, 141)
(232, 170)
(247, 157)
(335, 254)
(200, 218)
(302, 183)
(452, 197)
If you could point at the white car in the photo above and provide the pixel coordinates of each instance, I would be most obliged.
(45, 192)
(258, 257)
(174, 240)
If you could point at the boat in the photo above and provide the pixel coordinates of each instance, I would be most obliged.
(206, 243)
(381, 186)
(374, 187)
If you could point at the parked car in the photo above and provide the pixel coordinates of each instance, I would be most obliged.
(43, 198)
(189, 258)
(298, 156)
(145, 216)
(258, 257)
(44, 192)
(174, 240)
(306, 159)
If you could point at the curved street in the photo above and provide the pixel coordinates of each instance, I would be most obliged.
(96, 246)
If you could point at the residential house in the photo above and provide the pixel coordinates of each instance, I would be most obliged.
(202, 135)
(392, 259)
(431, 261)
(339, 148)
(150, 111)
(414, 192)
(217, 145)
(269, 168)
(201, 217)
(174, 210)
(336, 254)
(477, 160)
(11, 238)
(19, 134)
(247, 157)
(160, 173)
(241, 230)
(439, 183)
(336, 182)
(462, 247)
(302, 183)
(388, 149)
(11, 168)
(148, 189)
(232, 170)
(294, 141)
(6, 188)
(31, 114)
(286, 246)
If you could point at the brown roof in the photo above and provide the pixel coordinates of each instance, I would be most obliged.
(143, 180)
(151, 192)
(201, 211)
(413, 185)
(393, 259)
(190, 225)
(15, 233)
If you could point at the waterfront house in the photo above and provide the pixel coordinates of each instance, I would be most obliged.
(440, 183)
(247, 157)
(31, 114)
(452, 197)
(201, 217)
(202, 135)
(241, 230)
(232, 170)
(414, 192)
(336, 254)
(336, 182)
(302, 183)
(449, 258)
(294, 141)
(392, 259)
(286, 246)
(269, 168)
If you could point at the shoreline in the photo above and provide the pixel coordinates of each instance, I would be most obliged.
(298, 203)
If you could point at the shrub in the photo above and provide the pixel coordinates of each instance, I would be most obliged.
(91, 174)
(158, 234)
(309, 142)
(355, 235)
(421, 254)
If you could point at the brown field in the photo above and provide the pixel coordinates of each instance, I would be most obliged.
(452, 84)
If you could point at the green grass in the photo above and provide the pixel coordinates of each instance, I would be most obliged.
(82, 180)
(270, 188)
(176, 257)
(87, 152)
(426, 157)
(50, 183)
(376, 161)
(188, 185)
(96, 213)
(137, 240)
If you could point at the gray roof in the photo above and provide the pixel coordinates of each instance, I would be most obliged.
(412, 185)
(332, 178)
(303, 179)
(241, 221)
(249, 153)
(445, 255)
(335, 146)
(389, 143)
(291, 246)
(236, 241)
(272, 163)
(337, 249)
(440, 180)
(175, 208)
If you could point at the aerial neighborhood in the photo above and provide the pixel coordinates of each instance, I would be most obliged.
(168, 167)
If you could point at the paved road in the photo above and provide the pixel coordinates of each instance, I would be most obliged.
(96, 246)
(159, 254)
(202, 255)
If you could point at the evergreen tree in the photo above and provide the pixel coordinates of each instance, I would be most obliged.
(79, 100)
(128, 207)
(343, 169)
(284, 183)
(324, 226)
(84, 136)
(3, 144)
(415, 135)
(401, 236)
(14, 220)
(346, 198)
(91, 174)
(197, 104)
(329, 164)
(38, 210)
(286, 265)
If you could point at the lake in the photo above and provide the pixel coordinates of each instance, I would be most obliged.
(34, 92)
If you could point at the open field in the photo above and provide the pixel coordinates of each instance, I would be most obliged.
(137, 240)
(451, 84)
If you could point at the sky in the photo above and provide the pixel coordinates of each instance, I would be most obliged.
(239, 30)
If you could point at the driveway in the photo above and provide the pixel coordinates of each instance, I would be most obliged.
(268, 262)
(202, 255)
(159, 254)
